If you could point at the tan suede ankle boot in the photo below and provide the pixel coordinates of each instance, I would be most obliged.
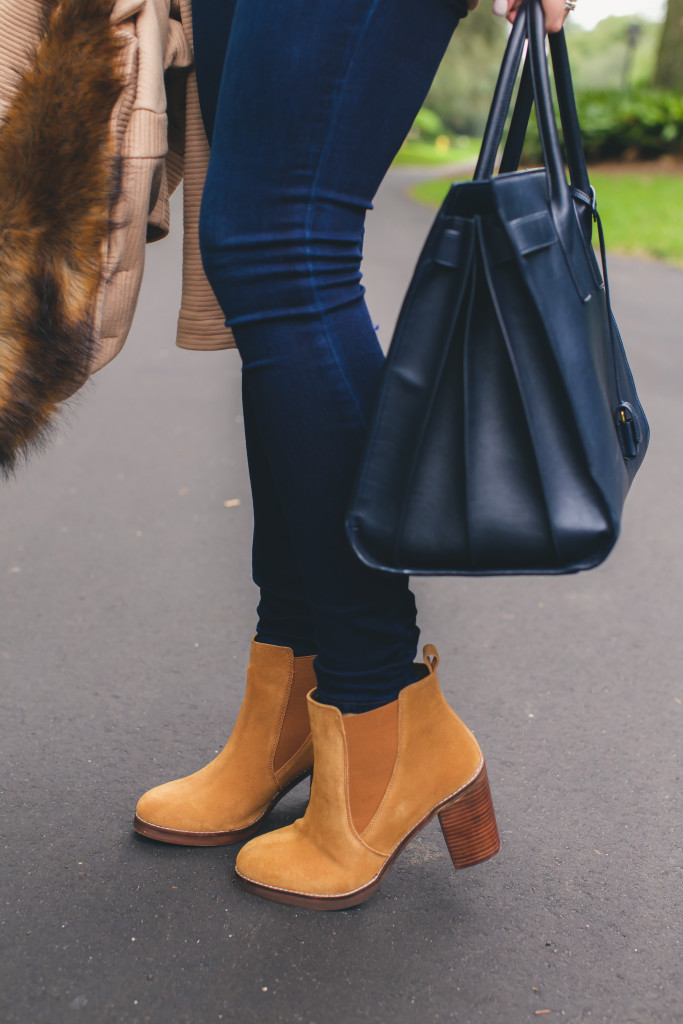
(268, 753)
(379, 778)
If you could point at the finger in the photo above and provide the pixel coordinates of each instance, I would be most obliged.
(512, 10)
(555, 15)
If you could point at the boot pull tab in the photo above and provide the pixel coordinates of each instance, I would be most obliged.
(430, 656)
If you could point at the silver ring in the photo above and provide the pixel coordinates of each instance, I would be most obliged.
(569, 5)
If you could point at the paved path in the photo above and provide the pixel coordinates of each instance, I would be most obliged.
(125, 625)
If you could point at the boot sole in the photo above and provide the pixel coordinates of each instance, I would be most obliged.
(225, 838)
(469, 828)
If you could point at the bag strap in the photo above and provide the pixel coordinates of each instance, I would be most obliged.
(568, 115)
(514, 144)
(535, 89)
(571, 132)
(558, 192)
(502, 97)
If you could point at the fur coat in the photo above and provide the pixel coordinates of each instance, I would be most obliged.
(99, 122)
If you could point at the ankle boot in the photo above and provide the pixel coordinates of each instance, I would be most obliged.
(379, 778)
(268, 753)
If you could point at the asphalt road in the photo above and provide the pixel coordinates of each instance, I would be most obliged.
(126, 616)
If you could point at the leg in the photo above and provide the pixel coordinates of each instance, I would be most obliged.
(283, 613)
(269, 749)
(315, 99)
(379, 778)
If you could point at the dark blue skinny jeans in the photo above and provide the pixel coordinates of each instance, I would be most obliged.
(305, 104)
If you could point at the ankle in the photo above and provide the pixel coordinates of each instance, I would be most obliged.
(299, 648)
(358, 704)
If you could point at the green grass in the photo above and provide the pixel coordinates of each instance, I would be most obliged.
(418, 153)
(642, 213)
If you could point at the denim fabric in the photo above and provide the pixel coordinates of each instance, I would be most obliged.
(305, 103)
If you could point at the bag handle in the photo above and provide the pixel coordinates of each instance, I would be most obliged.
(568, 116)
(535, 88)
(514, 144)
(558, 193)
(502, 98)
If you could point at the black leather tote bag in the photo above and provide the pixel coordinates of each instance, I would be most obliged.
(507, 429)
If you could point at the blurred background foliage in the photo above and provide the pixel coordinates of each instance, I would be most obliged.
(628, 76)
(628, 79)
(462, 90)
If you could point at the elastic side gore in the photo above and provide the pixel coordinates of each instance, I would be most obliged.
(296, 726)
(372, 744)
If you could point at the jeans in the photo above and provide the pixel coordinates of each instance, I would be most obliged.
(305, 104)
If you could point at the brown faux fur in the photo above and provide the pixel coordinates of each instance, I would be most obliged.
(59, 180)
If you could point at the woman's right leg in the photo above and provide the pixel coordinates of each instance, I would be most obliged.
(269, 749)
(283, 612)
(284, 615)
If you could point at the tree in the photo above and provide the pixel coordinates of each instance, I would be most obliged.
(669, 73)
(463, 87)
(601, 57)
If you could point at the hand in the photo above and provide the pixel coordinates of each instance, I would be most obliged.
(555, 12)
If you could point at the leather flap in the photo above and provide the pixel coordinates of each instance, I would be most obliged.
(533, 232)
(525, 212)
(451, 249)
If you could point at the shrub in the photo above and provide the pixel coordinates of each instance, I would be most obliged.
(427, 126)
(636, 124)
